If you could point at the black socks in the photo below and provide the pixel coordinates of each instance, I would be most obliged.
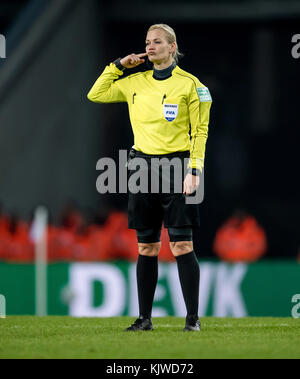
(147, 275)
(189, 276)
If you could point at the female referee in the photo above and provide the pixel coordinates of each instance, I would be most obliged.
(169, 113)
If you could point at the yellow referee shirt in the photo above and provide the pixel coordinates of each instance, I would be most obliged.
(161, 111)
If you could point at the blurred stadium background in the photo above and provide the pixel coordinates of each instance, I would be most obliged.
(51, 137)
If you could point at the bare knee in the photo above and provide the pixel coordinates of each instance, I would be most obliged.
(149, 249)
(181, 248)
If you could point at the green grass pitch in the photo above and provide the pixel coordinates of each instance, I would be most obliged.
(104, 338)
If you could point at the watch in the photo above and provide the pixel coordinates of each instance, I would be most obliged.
(194, 171)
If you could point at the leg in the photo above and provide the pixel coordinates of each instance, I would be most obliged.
(181, 248)
(147, 275)
(149, 249)
(145, 215)
(147, 268)
(181, 245)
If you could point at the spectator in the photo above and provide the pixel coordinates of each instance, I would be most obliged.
(240, 239)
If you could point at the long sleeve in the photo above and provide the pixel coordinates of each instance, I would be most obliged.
(108, 89)
(199, 109)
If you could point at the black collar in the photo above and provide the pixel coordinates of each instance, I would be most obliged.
(165, 73)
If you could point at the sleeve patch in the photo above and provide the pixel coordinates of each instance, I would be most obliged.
(204, 94)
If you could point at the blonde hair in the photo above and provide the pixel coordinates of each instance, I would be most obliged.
(171, 38)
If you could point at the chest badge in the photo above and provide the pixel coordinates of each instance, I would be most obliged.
(170, 112)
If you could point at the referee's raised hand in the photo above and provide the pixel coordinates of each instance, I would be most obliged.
(133, 60)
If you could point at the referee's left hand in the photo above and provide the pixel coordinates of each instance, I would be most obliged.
(190, 184)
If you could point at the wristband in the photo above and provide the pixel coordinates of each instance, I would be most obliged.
(117, 63)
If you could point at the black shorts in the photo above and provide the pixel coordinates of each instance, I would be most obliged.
(150, 210)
